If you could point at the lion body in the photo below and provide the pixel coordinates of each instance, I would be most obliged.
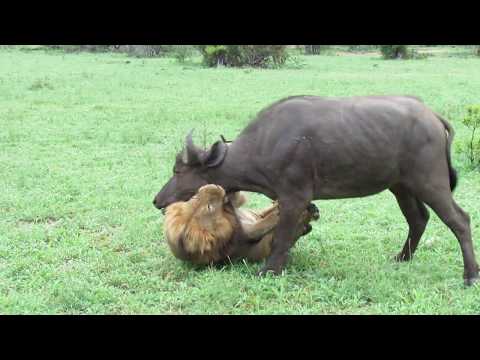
(212, 228)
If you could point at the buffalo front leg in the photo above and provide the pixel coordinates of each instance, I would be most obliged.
(285, 234)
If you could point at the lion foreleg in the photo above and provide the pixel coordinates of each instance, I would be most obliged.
(258, 229)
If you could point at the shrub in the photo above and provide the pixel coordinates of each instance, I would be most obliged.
(362, 48)
(244, 55)
(313, 49)
(295, 62)
(76, 48)
(181, 52)
(472, 121)
(394, 51)
(416, 55)
(142, 50)
(213, 55)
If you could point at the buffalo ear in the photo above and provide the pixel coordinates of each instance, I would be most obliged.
(215, 155)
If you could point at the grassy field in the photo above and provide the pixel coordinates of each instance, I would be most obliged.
(86, 141)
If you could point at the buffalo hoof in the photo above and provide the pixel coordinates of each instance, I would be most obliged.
(263, 272)
(472, 280)
(402, 257)
(306, 229)
(314, 212)
(269, 270)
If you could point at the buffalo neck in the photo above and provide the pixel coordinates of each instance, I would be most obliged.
(238, 173)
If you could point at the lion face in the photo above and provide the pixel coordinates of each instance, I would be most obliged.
(211, 198)
(199, 230)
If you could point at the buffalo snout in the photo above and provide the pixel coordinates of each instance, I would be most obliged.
(160, 207)
(159, 204)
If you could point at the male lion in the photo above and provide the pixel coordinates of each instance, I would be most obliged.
(211, 227)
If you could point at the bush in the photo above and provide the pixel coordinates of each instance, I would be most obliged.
(143, 50)
(477, 50)
(213, 55)
(472, 121)
(76, 48)
(362, 48)
(181, 52)
(313, 49)
(244, 55)
(295, 62)
(394, 51)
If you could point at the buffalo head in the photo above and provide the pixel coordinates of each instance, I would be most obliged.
(190, 172)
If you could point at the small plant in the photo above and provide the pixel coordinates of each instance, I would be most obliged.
(295, 62)
(472, 121)
(416, 55)
(41, 84)
(394, 51)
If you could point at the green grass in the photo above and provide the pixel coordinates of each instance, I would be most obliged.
(86, 141)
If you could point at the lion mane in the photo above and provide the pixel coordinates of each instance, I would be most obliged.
(200, 230)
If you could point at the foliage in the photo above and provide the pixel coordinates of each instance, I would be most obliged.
(76, 48)
(414, 54)
(472, 121)
(213, 55)
(313, 49)
(143, 50)
(295, 62)
(244, 55)
(362, 48)
(179, 52)
(394, 51)
(182, 52)
(134, 50)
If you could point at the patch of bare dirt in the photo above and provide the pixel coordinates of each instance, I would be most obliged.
(48, 222)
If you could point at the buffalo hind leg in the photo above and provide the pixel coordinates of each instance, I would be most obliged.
(439, 198)
(417, 217)
(285, 234)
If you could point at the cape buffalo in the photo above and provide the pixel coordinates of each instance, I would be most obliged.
(306, 148)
